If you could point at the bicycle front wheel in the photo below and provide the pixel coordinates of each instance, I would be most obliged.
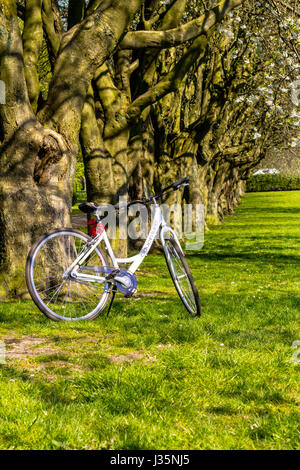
(182, 277)
(59, 298)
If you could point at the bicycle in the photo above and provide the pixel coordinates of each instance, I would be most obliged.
(69, 278)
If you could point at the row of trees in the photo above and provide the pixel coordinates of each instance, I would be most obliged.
(146, 91)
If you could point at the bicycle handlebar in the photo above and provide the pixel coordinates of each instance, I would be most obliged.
(176, 185)
(88, 207)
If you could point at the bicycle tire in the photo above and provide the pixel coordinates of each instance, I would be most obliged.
(32, 287)
(193, 307)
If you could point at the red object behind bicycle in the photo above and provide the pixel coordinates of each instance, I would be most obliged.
(95, 228)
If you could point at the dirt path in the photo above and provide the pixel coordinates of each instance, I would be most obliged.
(78, 220)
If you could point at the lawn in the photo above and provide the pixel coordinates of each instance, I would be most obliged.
(151, 377)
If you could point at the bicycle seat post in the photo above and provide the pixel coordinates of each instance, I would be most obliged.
(98, 218)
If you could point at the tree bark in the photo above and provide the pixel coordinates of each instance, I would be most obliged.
(38, 154)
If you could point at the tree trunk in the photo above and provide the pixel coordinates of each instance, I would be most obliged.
(33, 191)
(29, 206)
(38, 161)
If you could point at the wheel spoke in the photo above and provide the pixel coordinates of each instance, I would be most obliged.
(65, 298)
(180, 277)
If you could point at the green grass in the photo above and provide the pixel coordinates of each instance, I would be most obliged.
(257, 183)
(80, 197)
(151, 377)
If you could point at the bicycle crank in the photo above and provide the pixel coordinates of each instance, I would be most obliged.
(124, 280)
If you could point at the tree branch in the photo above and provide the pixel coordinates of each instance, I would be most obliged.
(171, 81)
(173, 37)
(97, 36)
(53, 36)
(289, 7)
(162, 11)
(32, 42)
(17, 113)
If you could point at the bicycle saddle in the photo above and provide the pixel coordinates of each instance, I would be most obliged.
(87, 207)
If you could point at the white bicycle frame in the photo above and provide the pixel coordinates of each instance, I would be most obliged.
(158, 224)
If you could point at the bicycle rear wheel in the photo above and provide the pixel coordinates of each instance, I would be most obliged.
(65, 299)
(182, 277)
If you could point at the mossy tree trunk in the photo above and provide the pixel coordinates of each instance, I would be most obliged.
(39, 146)
(123, 94)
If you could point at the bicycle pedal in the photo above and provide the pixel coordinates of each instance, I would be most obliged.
(125, 281)
(130, 294)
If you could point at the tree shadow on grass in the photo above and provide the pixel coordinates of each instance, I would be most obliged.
(269, 211)
(259, 257)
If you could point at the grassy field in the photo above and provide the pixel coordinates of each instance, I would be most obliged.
(151, 377)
